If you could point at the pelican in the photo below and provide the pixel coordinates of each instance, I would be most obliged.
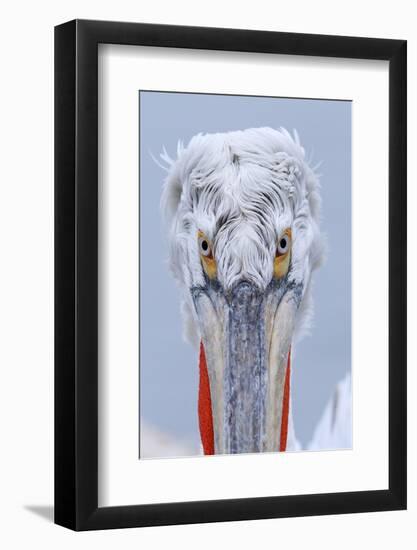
(242, 210)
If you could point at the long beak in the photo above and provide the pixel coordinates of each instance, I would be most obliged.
(246, 337)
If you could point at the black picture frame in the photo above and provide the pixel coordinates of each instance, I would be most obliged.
(76, 273)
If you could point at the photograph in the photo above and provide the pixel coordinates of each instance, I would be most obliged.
(244, 274)
(207, 238)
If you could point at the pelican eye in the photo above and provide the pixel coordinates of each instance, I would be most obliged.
(283, 254)
(283, 245)
(205, 248)
(206, 255)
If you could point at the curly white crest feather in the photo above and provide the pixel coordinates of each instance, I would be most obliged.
(242, 189)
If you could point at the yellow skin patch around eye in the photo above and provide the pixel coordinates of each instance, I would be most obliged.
(207, 260)
(282, 261)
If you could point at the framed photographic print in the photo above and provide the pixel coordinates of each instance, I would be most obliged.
(230, 253)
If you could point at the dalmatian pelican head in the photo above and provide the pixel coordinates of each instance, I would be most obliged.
(242, 210)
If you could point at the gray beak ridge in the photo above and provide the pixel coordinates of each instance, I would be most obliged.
(247, 336)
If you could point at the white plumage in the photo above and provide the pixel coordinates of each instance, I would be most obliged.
(259, 181)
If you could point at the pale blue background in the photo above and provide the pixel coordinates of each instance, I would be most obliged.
(168, 366)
